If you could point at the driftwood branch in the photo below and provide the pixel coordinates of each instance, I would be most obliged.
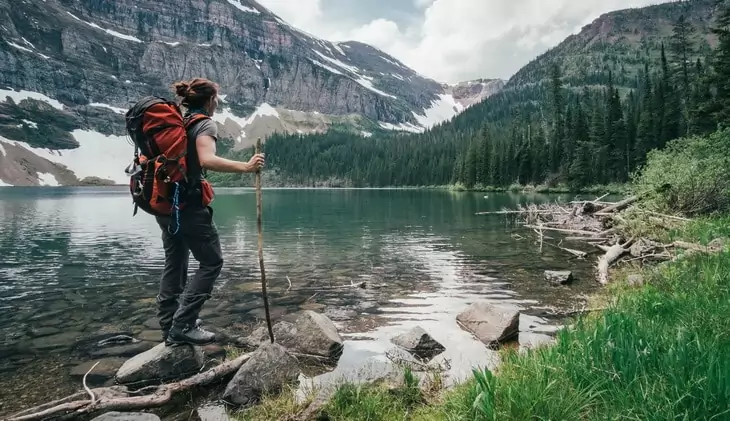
(562, 230)
(613, 253)
(86, 388)
(118, 398)
(620, 205)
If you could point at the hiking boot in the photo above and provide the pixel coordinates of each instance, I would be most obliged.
(166, 332)
(189, 335)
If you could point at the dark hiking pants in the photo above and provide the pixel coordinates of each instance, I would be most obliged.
(180, 301)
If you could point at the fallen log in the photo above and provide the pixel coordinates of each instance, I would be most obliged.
(613, 253)
(514, 212)
(563, 230)
(118, 398)
(619, 205)
(577, 253)
(586, 239)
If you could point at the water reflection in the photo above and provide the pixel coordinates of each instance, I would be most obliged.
(74, 262)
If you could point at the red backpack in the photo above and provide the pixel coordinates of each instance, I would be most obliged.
(158, 178)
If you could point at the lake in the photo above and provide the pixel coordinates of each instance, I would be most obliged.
(75, 264)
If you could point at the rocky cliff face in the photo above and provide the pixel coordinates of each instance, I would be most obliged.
(79, 64)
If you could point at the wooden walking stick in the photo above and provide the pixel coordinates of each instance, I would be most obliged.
(261, 246)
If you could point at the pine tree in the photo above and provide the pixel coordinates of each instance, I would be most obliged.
(558, 122)
(682, 48)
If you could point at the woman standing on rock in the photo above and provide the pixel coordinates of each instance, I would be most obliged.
(179, 301)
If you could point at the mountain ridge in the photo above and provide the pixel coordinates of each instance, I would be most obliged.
(94, 58)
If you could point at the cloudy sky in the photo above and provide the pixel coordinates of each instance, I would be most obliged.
(450, 40)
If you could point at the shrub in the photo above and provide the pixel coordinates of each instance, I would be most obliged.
(689, 176)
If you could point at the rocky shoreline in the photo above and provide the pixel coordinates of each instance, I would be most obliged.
(123, 363)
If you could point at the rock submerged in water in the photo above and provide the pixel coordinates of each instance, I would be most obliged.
(267, 370)
(559, 277)
(161, 363)
(492, 324)
(105, 370)
(312, 334)
(126, 416)
(419, 343)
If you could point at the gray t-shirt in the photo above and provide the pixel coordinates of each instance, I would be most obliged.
(205, 127)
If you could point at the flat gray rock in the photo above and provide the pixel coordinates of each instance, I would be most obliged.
(161, 363)
(559, 277)
(419, 343)
(150, 336)
(126, 416)
(267, 371)
(59, 340)
(492, 324)
(212, 412)
(312, 334)
(128, 350)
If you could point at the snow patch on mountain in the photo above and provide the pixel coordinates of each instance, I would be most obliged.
(98, 155)
(237, 4)
(442, 109)
(20, 95)
(108, 31)
(354, 73)
(225, 116)
(326, 67)
(107, 106)
(402, 127)
(366, 81)
(19, 47)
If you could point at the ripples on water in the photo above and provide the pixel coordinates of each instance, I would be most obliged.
(76, 259)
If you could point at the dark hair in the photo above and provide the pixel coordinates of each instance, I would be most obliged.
(195, 93)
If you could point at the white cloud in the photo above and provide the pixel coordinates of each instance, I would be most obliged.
(454, 40)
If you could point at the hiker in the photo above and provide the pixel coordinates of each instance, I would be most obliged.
(179, 301)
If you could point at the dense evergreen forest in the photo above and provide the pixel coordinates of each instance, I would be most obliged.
(557, 131)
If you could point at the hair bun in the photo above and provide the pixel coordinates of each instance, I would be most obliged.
(182, 89)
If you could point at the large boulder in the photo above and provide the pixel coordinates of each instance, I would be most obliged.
(126, 416)
(162, 363)
(267, 370)
(492, 324)
(312, 334)
(559, 277)
(419, 343)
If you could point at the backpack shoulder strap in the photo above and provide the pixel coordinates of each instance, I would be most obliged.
(194, 118)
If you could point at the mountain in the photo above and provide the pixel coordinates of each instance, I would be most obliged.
(69, 69)
(620, 42)
(585, 112)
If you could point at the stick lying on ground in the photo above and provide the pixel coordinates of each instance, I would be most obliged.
(117, 398)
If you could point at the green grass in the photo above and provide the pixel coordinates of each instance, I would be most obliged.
(659, 352)
(702, 230)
